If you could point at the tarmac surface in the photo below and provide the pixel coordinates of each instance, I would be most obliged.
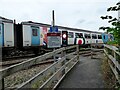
(86, 74)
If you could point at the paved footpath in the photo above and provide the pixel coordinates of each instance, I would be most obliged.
(86, 74)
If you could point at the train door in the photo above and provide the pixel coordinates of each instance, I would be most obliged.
(1, 35)
(35, 36)
(104, 38)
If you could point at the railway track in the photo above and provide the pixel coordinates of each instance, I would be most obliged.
(26, 74)
(25, 55)
(18, 59)
(8, 61)
(6, 64)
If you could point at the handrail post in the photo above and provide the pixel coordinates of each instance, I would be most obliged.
(91, 52)
(77, 49)
(65, 54)
(2, 84)
(62, 54)
(115, 62)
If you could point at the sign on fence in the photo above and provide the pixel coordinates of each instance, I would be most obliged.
(54, 40)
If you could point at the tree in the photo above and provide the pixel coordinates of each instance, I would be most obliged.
(115, 29)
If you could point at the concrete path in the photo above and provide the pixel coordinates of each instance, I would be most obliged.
(86, 74)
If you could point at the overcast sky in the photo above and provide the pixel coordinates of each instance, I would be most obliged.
(81, 14)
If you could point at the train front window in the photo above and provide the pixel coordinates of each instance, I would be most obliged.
(34, 32)
(70, 35)
(104, 36)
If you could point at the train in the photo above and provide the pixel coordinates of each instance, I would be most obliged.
(31, 36)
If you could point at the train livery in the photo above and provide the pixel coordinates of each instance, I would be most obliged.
(32, 36)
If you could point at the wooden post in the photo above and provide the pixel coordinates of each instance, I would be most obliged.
(77, 49)
(2, 84)
(62, 54)
(91, 46)
(115, 62)
(91, 52)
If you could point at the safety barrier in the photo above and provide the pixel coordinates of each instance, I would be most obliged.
(114, 60)
(51, 76)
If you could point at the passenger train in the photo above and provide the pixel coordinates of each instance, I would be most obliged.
(32, 36)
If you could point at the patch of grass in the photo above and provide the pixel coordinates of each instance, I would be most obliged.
(109, 78)
(115, 43)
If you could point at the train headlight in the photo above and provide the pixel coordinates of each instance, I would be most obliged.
(64, 36)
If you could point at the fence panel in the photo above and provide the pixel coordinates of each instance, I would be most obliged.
(51, 75)
(114, 60)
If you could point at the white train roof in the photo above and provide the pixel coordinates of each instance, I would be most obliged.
(2, 19)
(60, 27)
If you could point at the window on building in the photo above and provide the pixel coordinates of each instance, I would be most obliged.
(70, 35)
(99, 37)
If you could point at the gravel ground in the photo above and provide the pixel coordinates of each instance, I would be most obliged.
(17, 78)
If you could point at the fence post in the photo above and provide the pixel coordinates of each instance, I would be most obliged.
(77, 49)
(115, 63)
(62, 54)
(91, 52)
(2, 83)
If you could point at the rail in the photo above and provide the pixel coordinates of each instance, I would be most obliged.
(114, 60)
(51, 76)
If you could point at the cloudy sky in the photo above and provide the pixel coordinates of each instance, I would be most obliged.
(81, 14)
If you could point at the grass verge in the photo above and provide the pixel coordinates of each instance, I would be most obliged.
(109, 78)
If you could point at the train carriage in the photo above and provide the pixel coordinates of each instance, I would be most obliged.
(29, 36)
(32, 36)
(6, 35)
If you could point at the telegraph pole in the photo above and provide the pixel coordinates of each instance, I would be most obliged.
(53, 18)
(53, 24)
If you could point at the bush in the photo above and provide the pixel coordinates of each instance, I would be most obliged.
(112, 43)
